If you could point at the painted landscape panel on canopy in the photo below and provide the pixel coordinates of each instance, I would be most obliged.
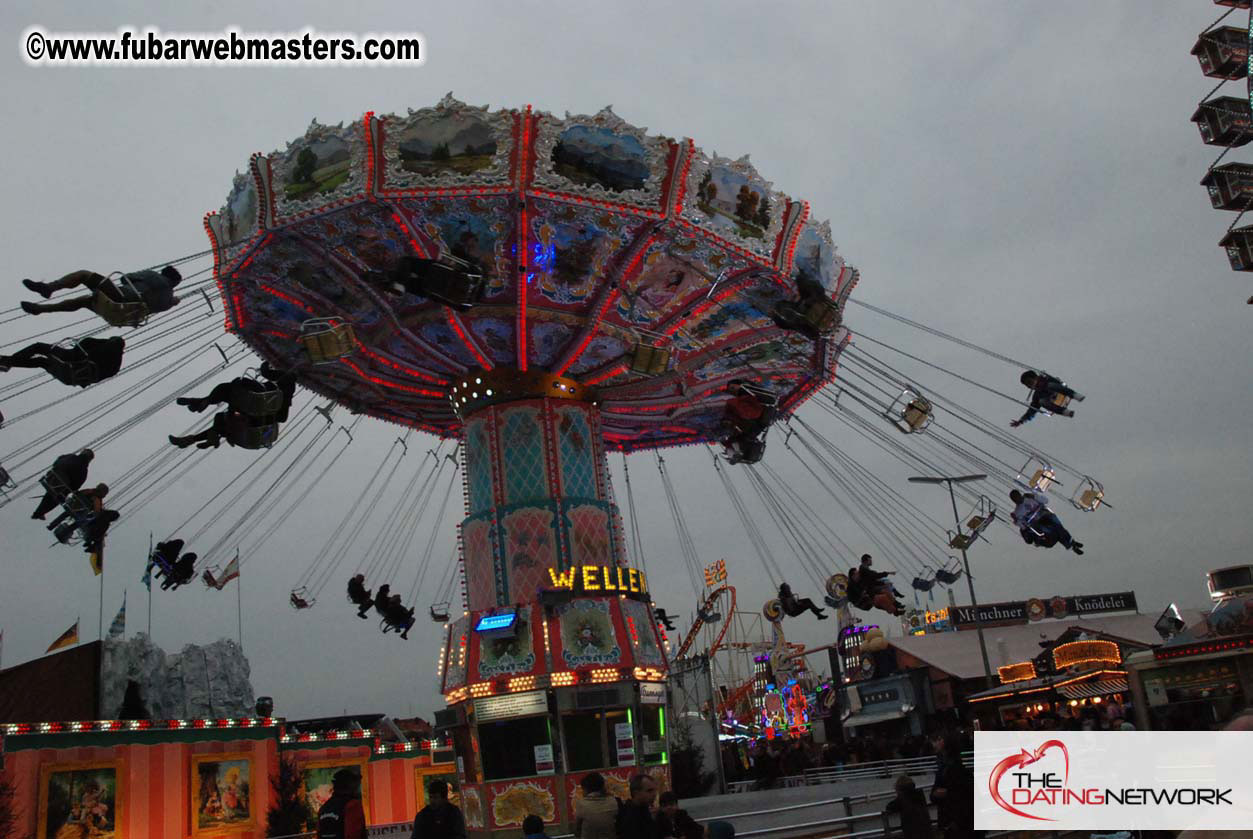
(602, 157)
(449, 144)
(325, 165)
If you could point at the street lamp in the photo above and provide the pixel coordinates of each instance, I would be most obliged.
(974, 604)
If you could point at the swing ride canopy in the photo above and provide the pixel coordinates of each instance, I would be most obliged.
(593, 236)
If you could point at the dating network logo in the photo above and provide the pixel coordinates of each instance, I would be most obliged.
(1029, 788)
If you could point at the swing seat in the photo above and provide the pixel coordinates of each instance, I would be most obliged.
(80, 372)
(126, 307)
(327, 340)
(69, 500)
(946, 577)
(132, 313)
(1089, 495)
(910, 412)
(451, 281)
(253, 436)
(164, 567)
(439, 612)
(300, 599)
(917, 415)
(960, 541)
(6, 482)
(819, 315)
(1058, 402)
(649, 360)
(885, 602)
(773, 610)
(922, 584)
(264, 402)
(1042, 479)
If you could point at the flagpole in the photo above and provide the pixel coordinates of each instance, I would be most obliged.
(148, 570)
(239, 601)
(100, 630)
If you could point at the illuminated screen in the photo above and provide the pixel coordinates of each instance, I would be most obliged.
(488, 623)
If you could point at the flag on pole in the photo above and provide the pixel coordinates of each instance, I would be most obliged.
(118, 628)
(67, 638)
(230, 572)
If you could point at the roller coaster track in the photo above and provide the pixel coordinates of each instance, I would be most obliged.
(726, 622)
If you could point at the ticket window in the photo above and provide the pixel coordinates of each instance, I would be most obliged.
(507, 748)
(590, 739)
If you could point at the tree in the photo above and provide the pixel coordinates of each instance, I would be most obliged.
(687, 763)
(706, 189)
(8, 810)
(746, 203)
(440, 152)
(289, 813)
(762, 219)
(306, 162)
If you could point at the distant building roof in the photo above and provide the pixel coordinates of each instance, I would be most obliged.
(62, 686)
(957, 653)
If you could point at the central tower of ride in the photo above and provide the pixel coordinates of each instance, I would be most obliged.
(544, 290)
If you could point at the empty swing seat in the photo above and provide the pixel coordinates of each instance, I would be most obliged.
(327, 340)
(943, 575)
(922, 584)
(439, 613)
(649, 360)
(1089, 496)
(917, 414)
(1042, 479)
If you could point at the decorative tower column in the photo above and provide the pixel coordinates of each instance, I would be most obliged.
(555, 667)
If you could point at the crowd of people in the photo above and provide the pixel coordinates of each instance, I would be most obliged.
(598, 815)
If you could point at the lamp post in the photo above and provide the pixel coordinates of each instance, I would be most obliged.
(974, 604)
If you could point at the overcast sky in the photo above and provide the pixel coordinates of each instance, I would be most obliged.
(1024, 175)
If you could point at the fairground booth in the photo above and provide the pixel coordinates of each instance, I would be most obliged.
(200, 777)
(74, 765)
(1062, 653)
(1203, 674)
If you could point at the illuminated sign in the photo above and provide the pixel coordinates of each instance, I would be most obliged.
(487, 623)
(511, 705)
(1016, 672)
(716, 574)
(1023, 611)
(1085, 652)
(599, 579)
